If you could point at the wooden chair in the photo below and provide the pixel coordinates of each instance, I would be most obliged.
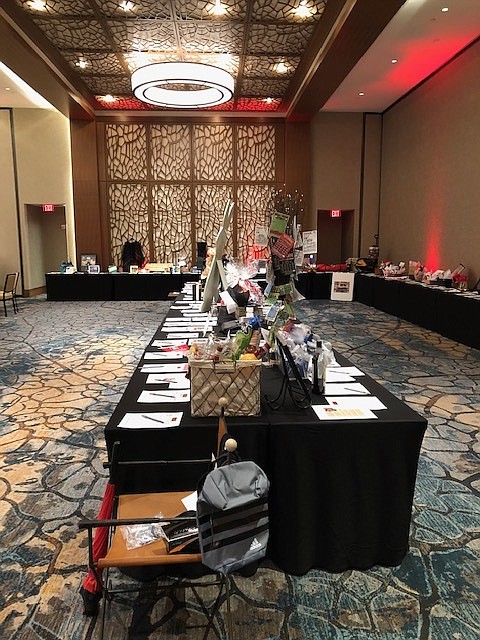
(132, 509)
(9, 291)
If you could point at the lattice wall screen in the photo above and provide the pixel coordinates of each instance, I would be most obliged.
(167, 184)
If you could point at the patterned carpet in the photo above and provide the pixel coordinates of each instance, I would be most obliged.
(63, 369)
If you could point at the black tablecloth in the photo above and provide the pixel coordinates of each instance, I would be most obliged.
(315, 286)
(447, 311)
(115, 286)
(78, 286)
(341, 492)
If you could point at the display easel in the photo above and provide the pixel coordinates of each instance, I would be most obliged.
(295, 387)
(216, 276)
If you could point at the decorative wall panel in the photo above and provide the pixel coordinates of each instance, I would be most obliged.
(213, 152)
(172, 222)
(126, 152)
(254, 207)
(167, 185)
(128, 206)
(210, 202)
(256, 152)
(170, 149)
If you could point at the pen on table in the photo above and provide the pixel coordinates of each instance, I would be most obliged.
(359, 391)
(154, 419)
(164, 395)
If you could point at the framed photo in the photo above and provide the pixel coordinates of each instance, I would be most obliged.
(87, 259)
(93, 268)
(133, 268)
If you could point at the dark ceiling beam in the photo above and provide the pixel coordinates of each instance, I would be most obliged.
(109, 35)
(357, 32)
(243, 52)
(31, 34)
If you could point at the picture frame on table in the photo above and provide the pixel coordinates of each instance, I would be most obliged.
(87, 259)
(93, 268)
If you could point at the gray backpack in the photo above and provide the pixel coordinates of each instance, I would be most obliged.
(232, 516)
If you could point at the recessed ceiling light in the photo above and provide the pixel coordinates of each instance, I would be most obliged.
(126, 5)
(303, 10)
(108, 98)
(81, 63)
(218, 8)
(445, 9)
(268, 100)
(361, 93)
(394, 61)
(38, 5)
(281, 68)
(7, 89)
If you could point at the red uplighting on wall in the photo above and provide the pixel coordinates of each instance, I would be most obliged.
(336, 213)
(48, 208)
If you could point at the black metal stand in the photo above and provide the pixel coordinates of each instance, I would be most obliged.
(295, 387)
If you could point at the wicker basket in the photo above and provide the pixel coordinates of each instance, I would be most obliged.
(238, 381)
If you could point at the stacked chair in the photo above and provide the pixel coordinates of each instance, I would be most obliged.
(218, 552)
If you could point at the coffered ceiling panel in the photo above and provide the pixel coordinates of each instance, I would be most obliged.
(284, 38)
(286, 10)
(143, 35)
(144, 9)
(101, 63)
(74, 33)
(58, 8)
(216, 37)
(261, 66)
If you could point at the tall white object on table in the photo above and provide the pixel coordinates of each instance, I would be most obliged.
(216, 274)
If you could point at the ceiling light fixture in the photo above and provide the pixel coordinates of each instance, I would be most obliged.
(108, 98)
(281, 67)
(7, 89)
(394, 61)
(127, 6)
(268, 100)
(184, 85)
(81, 63)
(218, 9)
(445, 9)
(303, 10)
(361, 93)
(38, 5)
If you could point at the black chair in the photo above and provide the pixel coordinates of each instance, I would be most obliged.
(10, 291)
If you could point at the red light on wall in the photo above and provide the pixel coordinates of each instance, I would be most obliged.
(48, 208)
(336, 213)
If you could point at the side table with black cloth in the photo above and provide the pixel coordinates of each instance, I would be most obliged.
(315, 286)
(341, 492)
(451, 313)
(145, 286)
(458, 318)
(78, 286)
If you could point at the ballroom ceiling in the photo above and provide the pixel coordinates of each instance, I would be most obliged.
(287, 57)
(260, 43)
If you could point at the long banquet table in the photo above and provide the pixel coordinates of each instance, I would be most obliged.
(341, 492)
(447, 311)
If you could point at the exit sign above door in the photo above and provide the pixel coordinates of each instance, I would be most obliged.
(48, 208)
(335, 213)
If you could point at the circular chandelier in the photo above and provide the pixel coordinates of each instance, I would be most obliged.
(185, 85)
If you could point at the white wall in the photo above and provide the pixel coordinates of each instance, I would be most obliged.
(44, 168)
(9, 243)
